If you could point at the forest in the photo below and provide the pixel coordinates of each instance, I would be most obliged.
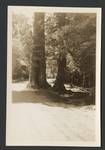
(56, 51)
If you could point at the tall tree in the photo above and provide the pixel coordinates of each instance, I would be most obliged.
(60, 78)
(73, 34)
(38, 64)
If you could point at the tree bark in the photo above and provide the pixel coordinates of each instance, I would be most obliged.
(38, 64)
(83, 79)
(60, 79)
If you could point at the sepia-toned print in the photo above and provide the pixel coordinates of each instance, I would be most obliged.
(53, 76)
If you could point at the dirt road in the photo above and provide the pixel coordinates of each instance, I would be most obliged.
(36, 119)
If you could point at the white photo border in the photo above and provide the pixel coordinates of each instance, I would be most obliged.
(97, 143)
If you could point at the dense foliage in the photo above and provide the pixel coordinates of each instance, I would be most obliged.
(74, 35)
(21, 47)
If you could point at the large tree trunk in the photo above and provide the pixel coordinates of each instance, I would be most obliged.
(60, 79)
(38, 64)
(83, 81)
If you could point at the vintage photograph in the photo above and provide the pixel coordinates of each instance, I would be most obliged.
(53, 76)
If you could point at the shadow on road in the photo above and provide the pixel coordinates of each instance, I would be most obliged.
(47, 97)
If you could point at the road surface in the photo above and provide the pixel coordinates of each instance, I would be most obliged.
(36, 119)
